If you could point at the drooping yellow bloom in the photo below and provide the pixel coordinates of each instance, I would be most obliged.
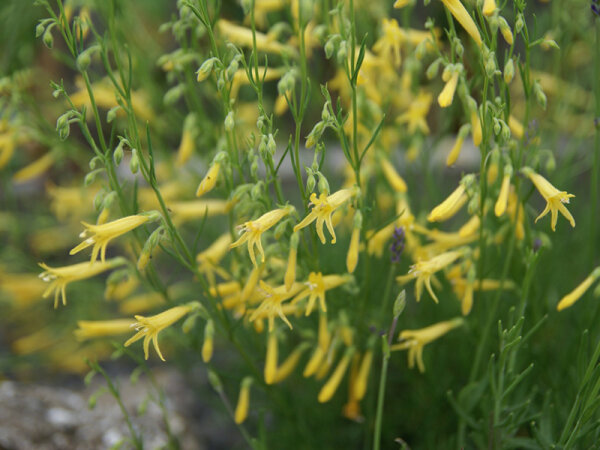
(149, 327)
(415, 340)
(290, 271)
(489, 6)
(417, 112)
(242, 36)
(359, 386)
(516, 127)
(209, 259)
(22, 288)
(59, 277)
(35, 169)
(317, 285)
(449, 207)
(459, 12)
(353, 248)
(392, 176)
(455, 151)
(198, 209)
(272, 303)
(424, 270)
(253, 229)
(271, 358)
(324, 339)
(555, 199)
(502, 201)
(578, 292)
(335, 379)
(243, 403)
(89, 329)
(186, 147)
(102, 234)
(388, 45)
(240, 78)
(323, 208)
(447, 95)
(287, 367)
(209, 181)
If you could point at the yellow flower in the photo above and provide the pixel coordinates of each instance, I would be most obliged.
(359, 387)
(502, 201)
(489, 6)
(271, 358)
(576, 294)
(424, 270)
(323, 208)
(388, 45)
(516, 127)
(447, 95)
(287, 367)
(186, 147)
(392, 176)
(198, 209)
(243, 37)
(450, 206)
(334, 381)
(241, 409)
(209, 181)
(416, 114)
(353, 248)
(324, 339)
(149, 327)
(455, 151)
(555, 199)
(59, 277)
(317, 285)
(209, 259)
(476, 127)
(253, 229)
(89, 329)
(459, 12)
(415, 340)
(272, 303)
(290, 271)
(35, 169)
(102, 234)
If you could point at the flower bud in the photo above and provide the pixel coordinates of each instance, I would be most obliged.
(229, 121)
(509, 71)
(519, 23)
(205, 69)
(118, 153)
(47, 38)
(539, 94)
(134, 162)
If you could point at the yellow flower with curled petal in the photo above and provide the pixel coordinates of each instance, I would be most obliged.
(424, 270)
(323, 208)
(149, 327)
(576, 294)
(459, 12)
(450, 76)
(59, 277)
(210, 180)
(103, 234)
(555, 199)
(415, 340)
(253, 229)
(317, 285)
(489, 6)
(272, 303)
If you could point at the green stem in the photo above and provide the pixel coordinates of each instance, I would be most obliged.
(596, 166)
(380, 402)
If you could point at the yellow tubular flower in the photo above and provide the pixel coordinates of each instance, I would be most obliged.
(241, 410)
(102, 234)
(198, 209)
(449, 207)
(290, 363)
(317, 286)
(187, 145)
(447, 95)
(353, 248)
(323, 345)
(35, 169)
(360, 384)
(415, 340)
(459, 12)
(252, 231)
(455, 152)
(555, 199)
(271, 358)
(489, 6)
(424, 270)
(576, 294)
(89, 329)
(502, 201)
(476, 127)
(149, 327)
(516, 127)
(334, 381)
(59, 277)
(208, 344)
(290, 271)
(243, 37)
(469, 228)
(392, 176)
(402, 3)
(209, 181)
(323, 208)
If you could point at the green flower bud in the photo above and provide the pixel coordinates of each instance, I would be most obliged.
(47, 38)
(134, 162)
(229, 121)
(509, 71)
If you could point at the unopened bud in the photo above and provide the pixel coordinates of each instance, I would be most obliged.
(48, 39)
(509, 71)
(134, 162)
(229, 121)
